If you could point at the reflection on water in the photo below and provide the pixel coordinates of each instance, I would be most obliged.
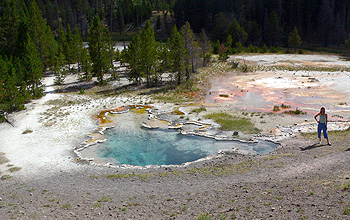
(141, 147)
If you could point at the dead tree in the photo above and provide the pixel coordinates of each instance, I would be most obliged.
(4, 114)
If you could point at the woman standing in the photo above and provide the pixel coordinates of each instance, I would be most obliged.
(322, 124)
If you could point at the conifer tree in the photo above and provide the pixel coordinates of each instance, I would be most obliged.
(85, 64)
(58, 68)
(98, 48)
(11, 98)
(177, 55)
(347, 42)
(294, 39)
(12, 14)
(272, 29)
(237, 32)
(70, 47)
(228, 44)
(148, 51)
(40, 34)
(132, 56)
(191, 46)
(204, 45)
(163, 57)
(34, 69)
(112, 57)
(77, 46)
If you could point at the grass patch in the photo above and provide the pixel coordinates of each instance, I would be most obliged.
(5, 177)
(66, 206)
(204, 217)
(346, 187)
(129, 175)
(274, 157)
(173, 97)
(199, 110)
(346, 210)
(228, 122)
(27, 131)
(96, 205)
(14, 169)
(105, 199)
(3, 159)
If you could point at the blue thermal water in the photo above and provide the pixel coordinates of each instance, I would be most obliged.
(142, 147)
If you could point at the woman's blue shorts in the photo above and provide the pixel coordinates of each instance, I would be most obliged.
(322, 127)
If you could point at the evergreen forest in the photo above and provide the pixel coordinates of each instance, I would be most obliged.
(40, 37)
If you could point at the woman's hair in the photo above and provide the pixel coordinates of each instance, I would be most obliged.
(324, 110)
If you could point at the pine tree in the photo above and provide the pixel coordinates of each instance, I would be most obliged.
(347, 42)
(98, 48)
(113, 56)
(132, 56)
(148, 51)
(191, 46)
(11, 98)
(237, 32)
(12, 14)
(177, 55)
(272, 29)
(40, 34)
(204, 45)
(326, 21)
(34, 69)
(294, 39)
(158, 24)
(70, 47)
(77, 46)
(228, 44)
(58, 69)
(85, 64)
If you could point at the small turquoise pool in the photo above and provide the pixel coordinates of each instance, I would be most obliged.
(142, 147)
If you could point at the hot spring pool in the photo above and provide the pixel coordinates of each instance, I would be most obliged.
(142, 147)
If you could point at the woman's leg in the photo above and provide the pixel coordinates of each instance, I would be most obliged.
(325, 134)
(319, 129)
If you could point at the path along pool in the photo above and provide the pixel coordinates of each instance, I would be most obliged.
(142, 147)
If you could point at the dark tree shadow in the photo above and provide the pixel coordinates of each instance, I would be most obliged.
(347, 149)
(313, 146)
(120, 89)
(76, 87)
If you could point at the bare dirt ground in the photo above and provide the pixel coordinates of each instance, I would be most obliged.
(41, 178)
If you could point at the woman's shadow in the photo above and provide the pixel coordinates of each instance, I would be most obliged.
(313, 146)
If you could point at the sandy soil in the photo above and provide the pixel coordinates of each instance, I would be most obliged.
(41, 178)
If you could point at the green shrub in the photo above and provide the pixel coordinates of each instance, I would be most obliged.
(276, 108)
